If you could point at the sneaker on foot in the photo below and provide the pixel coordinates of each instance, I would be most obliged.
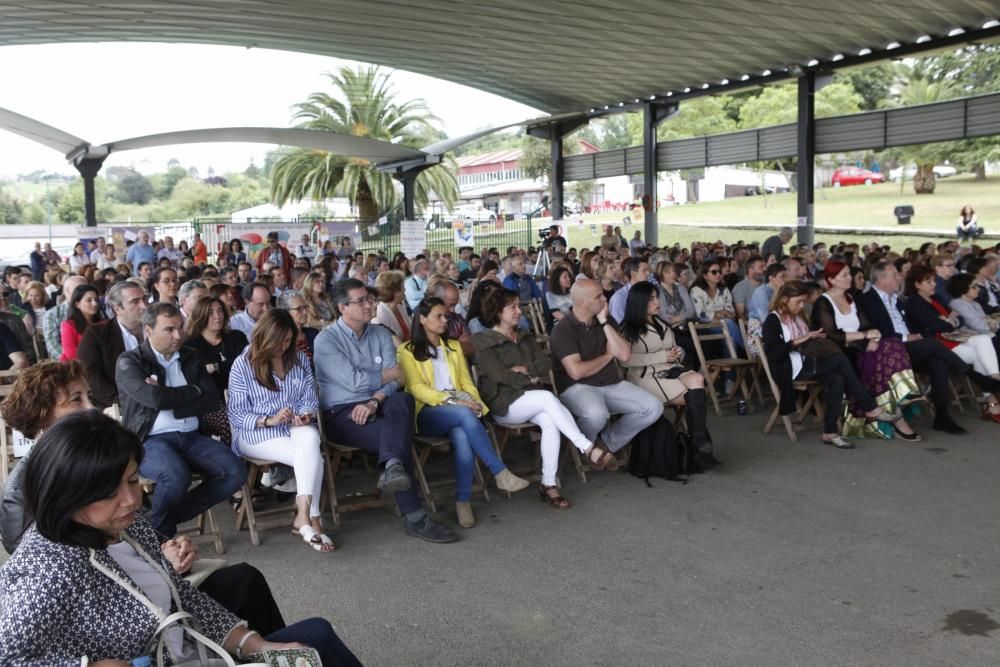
(394, 479)
(429, 531)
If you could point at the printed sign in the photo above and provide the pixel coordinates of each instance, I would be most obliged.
(412, 237)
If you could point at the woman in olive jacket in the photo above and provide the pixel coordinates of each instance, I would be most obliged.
(511, 367)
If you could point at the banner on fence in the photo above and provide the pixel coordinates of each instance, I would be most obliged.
(412, 237)
(464, 232)
(336, 231)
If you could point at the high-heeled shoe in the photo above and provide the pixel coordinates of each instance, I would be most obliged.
(551, 495)
(909, 437)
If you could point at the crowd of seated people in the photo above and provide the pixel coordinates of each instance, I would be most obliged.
(206, 360)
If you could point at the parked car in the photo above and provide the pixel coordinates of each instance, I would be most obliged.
(940, 170)
(474, 212)
(856, 176)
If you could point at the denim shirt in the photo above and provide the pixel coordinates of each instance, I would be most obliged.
(349, 367)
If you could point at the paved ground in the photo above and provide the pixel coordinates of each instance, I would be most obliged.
(792, 554)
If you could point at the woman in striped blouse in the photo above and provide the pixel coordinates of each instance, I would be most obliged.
(272, 409)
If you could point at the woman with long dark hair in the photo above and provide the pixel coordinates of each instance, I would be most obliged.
(78, 259)
(448, 403)
(657, 366)
(273, 407)
(475, 308)
(163, 285)
(557, 297)
(793, 355)
(968, 224)
(84, 310)
(882, 364)
(512, 368)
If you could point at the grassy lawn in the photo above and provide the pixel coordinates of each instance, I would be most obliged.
(855, 207)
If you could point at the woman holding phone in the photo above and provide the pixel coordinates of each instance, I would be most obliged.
(272, 408)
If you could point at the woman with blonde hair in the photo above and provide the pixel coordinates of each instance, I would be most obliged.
(391, 312)
(272, 409)
(319, 306)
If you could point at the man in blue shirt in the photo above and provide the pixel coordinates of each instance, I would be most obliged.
(637, 271)
(141, 251)
(362, 405)
(518, 281)
(416, 285)
(759, 304)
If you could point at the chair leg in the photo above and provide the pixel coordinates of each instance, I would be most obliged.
(332, 464)
(246, 507)
(478, 471)
(770, 420)
(209, 518)
(574, 455)
(710, 379)
(418, 470)
(789, 428)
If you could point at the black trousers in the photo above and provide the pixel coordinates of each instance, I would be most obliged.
(836, 375)
(930, 356)
(243, 590)
(389, 436)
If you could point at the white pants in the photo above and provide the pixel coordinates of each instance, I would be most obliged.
(979, 352)
(301, 451)
(543, 409)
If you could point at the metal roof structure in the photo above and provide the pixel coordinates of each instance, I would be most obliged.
(555, 55)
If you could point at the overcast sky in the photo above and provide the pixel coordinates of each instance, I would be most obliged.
(106, 92)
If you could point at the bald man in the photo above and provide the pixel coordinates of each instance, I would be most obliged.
(586, 349)
(55, 316)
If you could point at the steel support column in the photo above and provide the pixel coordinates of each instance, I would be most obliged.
(805, 176)
(88, 168)
(409, 180)
(556, 182)
(650, 119)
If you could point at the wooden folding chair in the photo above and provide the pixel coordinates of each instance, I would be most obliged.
(756, 381)
(262, 519)
(334, 456)
(422, 448)
(812, 404)
(962, 389)
(205, 530)
(712, 369)
(7, 460)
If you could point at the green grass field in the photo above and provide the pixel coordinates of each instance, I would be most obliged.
(855, 207)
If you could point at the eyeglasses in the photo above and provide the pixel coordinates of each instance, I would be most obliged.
(714, 271)
(370, 300)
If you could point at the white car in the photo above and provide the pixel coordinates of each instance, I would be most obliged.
(474, 212)
(940, 170)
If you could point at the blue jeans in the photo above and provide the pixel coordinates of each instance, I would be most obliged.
(169, 460)
(468, 439)
(317, 633)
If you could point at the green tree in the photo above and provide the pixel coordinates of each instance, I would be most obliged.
(362, 104)
(699, 117)
(11, 211)
(779, 104)
(131, 187)
(193, 198)
(917, 85)
(872, 83)
(70, 209)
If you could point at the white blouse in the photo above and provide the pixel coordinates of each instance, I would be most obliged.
(849, 322)
(442, 374)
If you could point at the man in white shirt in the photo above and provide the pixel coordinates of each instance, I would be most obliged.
(98, 252)
(170, 252)
(163, 388)
(104, 342)
(188, 295)
(305, 250)
(416, 284)
(635, 246)
(258, 299)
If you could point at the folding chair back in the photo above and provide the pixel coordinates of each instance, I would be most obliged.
(812, 403)
(713, 368)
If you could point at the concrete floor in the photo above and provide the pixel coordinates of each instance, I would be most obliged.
(791, 554)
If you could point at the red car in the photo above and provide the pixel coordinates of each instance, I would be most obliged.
(856, 176)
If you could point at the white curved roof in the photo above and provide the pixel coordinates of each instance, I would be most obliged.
(555, 55)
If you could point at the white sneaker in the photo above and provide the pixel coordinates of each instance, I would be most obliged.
(288, 486)
(265, 479)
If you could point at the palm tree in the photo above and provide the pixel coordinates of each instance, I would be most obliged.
(919, 88)
(363, 105)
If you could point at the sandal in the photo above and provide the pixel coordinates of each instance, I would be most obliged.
(605, 460)
(552, 495)
(317, 540)
(988, 416)
(839, 442)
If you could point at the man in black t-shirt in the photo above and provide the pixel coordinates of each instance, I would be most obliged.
(586, 349)
(12, 356)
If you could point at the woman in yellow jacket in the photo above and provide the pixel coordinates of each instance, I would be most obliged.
(448, 403)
